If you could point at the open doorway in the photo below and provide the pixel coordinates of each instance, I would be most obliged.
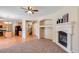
(31, 30)
(18, 30)
(1, 32)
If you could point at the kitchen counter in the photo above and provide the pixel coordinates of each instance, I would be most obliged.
(2, 32)
(5, 33)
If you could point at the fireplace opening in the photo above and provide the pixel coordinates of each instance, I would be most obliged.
(62, 38)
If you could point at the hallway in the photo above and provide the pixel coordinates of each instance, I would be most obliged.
(32, 46)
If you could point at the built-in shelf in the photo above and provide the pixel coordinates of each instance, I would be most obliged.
(65, 23)
(46, 26)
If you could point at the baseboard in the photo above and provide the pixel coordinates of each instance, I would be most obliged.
(47, 38)
(63, 48)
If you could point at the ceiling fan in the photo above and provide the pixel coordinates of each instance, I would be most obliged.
(29, 10)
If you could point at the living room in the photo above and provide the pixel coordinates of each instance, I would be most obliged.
(60, 26)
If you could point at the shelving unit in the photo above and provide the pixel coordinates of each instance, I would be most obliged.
(45, 26)
(46, 23)
(46, 29)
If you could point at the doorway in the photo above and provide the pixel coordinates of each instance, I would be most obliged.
(1, 32)
(18, 30)
(31, 30)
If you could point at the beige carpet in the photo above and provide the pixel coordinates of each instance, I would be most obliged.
(34, 46)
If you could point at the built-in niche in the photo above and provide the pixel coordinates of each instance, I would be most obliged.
(63, 19)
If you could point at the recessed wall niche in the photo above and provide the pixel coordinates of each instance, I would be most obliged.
(64, 19)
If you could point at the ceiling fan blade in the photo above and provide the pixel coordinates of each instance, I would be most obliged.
(29, 8)
(32, 12)
(24, 8)
(26, 11)
(35, 10)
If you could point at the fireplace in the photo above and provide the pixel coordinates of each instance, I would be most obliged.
(62, 38)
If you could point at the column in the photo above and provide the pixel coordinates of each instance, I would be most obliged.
(14, 24)
(38, 30)
(23, 30)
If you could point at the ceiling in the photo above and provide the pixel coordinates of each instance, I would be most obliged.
(17, 13)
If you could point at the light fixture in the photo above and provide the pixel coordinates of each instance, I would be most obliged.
(29, 12)
(7, 22)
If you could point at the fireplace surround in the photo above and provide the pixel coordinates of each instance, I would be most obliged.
(64, 36)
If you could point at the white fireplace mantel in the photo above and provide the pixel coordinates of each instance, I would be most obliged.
(65, 27)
